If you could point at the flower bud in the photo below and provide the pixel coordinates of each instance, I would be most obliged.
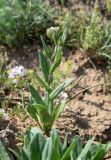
(52, 32)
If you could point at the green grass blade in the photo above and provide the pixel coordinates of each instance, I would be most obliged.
(16, 154)
(58, 110)
(3, 153)
(85, 150)
(60, 88)
(72, 146)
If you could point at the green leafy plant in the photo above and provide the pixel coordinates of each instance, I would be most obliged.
(91, 40)
(97, 38)
(20, 21)
(4, 155)
(44, 109)
(75, 27)
(36, 146)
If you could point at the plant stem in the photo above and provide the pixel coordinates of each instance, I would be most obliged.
(78, 81)
(87, 88)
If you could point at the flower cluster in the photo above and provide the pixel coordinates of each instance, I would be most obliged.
(52, 32)
(17, 72)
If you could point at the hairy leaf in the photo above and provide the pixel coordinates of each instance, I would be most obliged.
(57, 59)
(60, 88)
(44, 115)
(35, 95)
(58, 110)
(43, 83)
(46, 48)
(44, 66)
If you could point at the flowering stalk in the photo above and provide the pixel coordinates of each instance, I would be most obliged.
(46, 109)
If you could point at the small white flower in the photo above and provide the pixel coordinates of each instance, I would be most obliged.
(63, 95)
(19, 71)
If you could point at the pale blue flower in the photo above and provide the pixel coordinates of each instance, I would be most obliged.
(17, 71)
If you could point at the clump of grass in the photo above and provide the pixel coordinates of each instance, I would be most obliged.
(74, 23)
(96, 40)
(21, 21)
(91, 40)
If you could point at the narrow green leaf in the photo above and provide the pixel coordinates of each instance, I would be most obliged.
(54, 133)
(58, 110)
(100, 153)
(24, 155)
(64, 144)
(43, 114)
(56, 92)
(85, 150)
(16, 154)
(78, 149)
(101, 150)
(72, 146)
(60, 88)
(49, 152)
(29, 136)
(57, 60)
(44, 66)
(46, 48)
(3, 153)
(35, 95)
(63, 37)
(56, 141)
(43, 83)
(36, 147)
(72, 156)
(32, 111)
